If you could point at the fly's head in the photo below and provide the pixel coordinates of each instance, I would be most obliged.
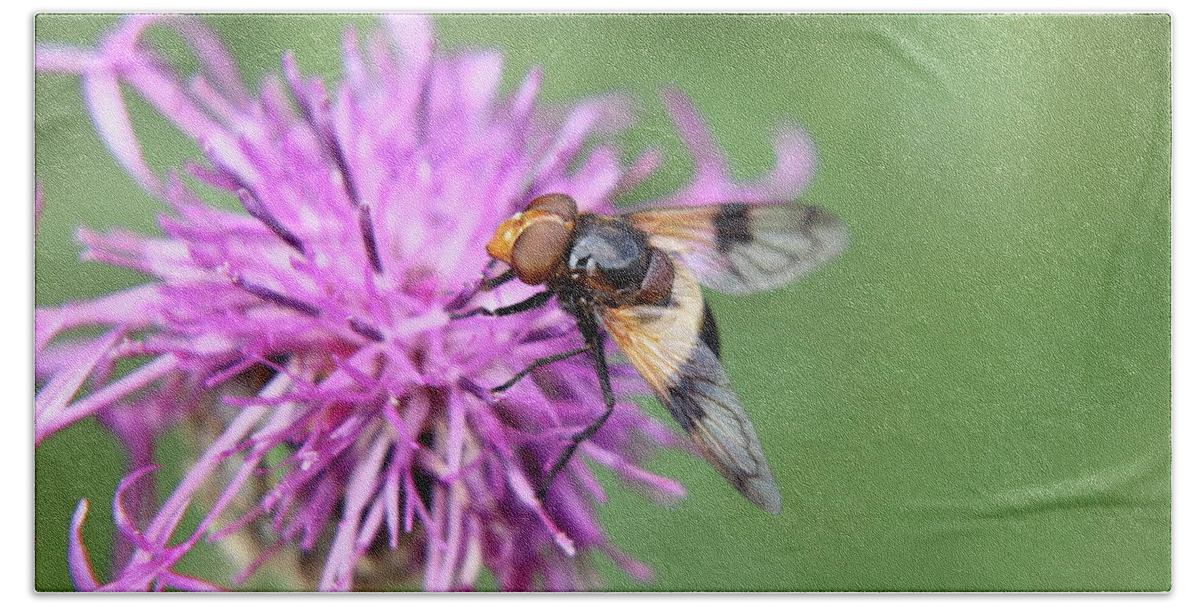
(534, 242)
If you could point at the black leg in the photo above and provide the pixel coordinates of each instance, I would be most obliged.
(529, 303)
(538, 363)
(483, 285)
(496, 281)
(592, 334)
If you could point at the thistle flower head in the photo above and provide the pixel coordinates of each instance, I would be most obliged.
(306, 341)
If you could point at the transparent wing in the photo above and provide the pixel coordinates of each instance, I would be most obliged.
(663, 343)
(739, 248)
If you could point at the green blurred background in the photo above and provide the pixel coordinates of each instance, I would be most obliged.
(976, 396)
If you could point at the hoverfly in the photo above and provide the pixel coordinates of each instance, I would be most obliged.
(632, 275)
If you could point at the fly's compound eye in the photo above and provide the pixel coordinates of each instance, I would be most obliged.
(539, 250)
(559, 204)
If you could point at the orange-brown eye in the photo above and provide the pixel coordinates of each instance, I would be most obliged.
(539, 250)
(559, 204)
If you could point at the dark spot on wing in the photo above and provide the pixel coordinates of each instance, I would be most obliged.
(708, 331)
(693, 388)
(683, 407)
(732, 225)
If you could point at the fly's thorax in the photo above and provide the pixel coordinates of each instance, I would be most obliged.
(614, 260)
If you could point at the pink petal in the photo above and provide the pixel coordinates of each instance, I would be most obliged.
(80, 565)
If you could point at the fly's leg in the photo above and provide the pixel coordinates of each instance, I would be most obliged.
(595, 346)
(529, 303)
(496, 281)
(538, 363)
(483, 285)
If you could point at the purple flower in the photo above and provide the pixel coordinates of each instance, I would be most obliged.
(343, 421)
